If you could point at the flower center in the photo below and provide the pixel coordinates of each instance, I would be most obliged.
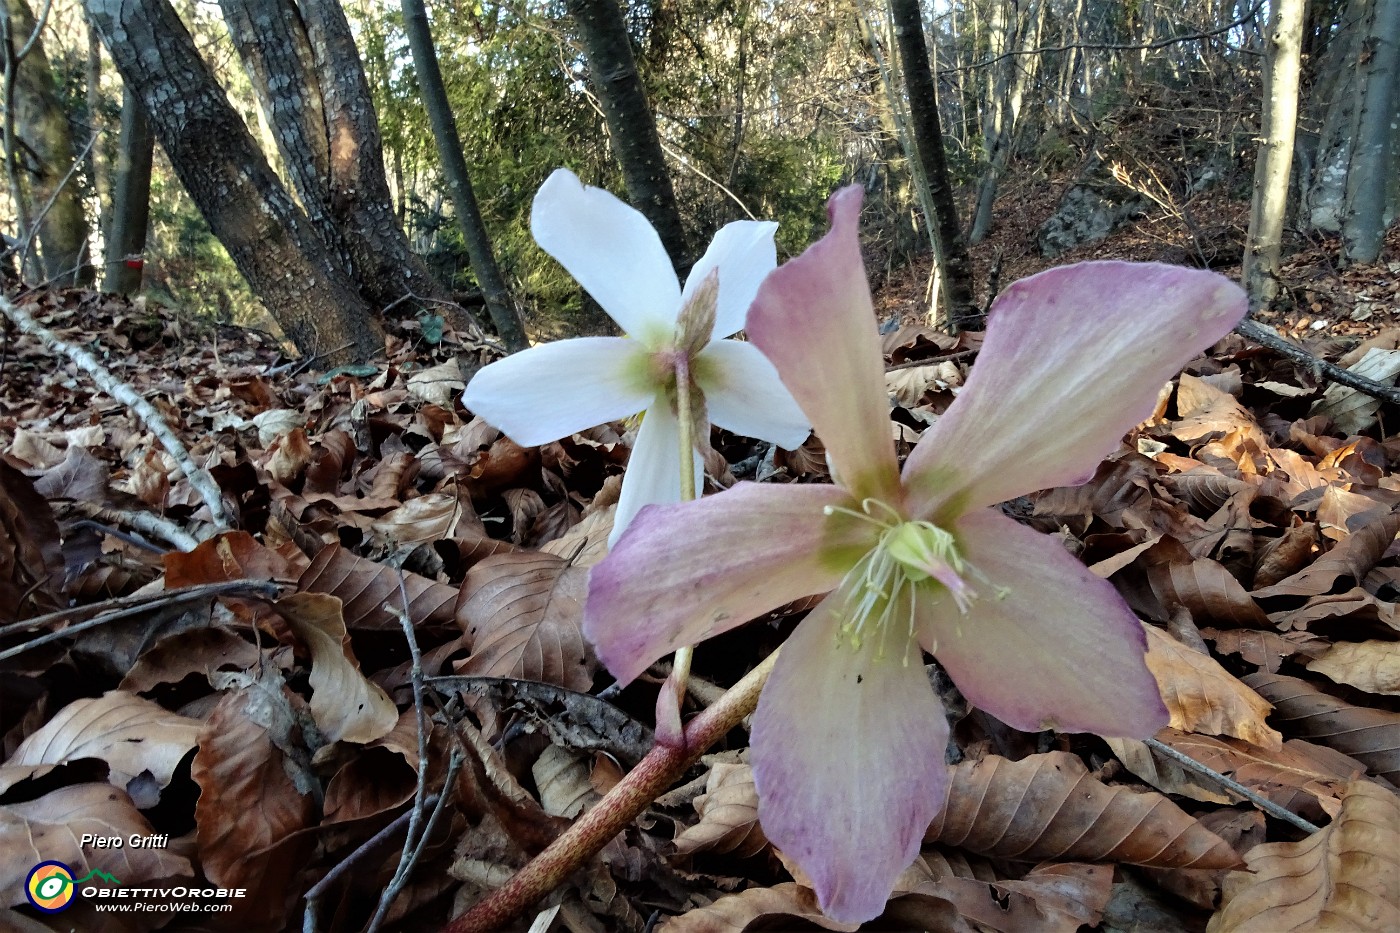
(911, 560)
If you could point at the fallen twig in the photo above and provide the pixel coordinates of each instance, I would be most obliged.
(106, 380)
(1263, 803)
(1264, 336)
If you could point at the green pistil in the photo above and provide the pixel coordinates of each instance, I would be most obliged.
(910, 559)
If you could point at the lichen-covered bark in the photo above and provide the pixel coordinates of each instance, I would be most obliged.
(266, 234)
(613, 70)
(308, 76)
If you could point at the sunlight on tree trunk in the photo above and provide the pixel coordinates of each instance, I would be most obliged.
(454, 168)
(954, 267)
(268, 237)
(1279, 118)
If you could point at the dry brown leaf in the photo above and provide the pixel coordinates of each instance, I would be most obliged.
(736, 913)
(31, 561)
(426, 518)
(1049, 807)
(524, 612)
(728, 815)
(1300, 776)
(1353, 558)
(563, 780)
(52, 827)
(1267, 650)
(379, 777)
(1165, 773)
(1054, 898)
(1345, 876)
(1371, 736)
(345, 705)
(1208, 590)
(202, 650)
(365, 587)
(252, 802)
(131, 734)
(1373, 666)
(1204, 697)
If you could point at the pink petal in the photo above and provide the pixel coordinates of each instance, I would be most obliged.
(1055, 647)
(612, 251)
(683, 573)
(743, 394)
(552, 390)
(848, 757)
(744, 254)
(653, 475)
(1073, 360)
(814, 320)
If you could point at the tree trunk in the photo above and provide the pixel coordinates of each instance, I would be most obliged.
(131, 201)
(313, 90)
(954, 268)
(1016, 75)
(503, 312)
(1371, 160)
(48, 176)
(1275, 160)
(268, 237)
(613, 70)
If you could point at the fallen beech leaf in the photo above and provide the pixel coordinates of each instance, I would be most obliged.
(31, 561)
(1164, 773)
(1267, 650)
(1299, 776)
(381, 776)
(524, 613)
(1208, 590)
(1345, 876)
(1054, 898)
(251, 805)
(131, 734)
(1351, 411)
(345, 705)
(1373, 666)
(562, 778)
(364, 588)
(1352, 557)
(1049, 807)
(728, 815)
(51, 828)
(1371, 736)
(1204, 697)
(736, 913)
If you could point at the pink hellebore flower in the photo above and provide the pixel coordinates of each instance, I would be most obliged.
(554, 389)
(849, 738)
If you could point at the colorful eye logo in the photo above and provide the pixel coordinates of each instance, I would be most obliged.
(49, 887)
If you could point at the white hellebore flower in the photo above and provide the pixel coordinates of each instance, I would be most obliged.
(552, 390)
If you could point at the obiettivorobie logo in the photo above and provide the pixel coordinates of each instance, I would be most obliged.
(50, 885)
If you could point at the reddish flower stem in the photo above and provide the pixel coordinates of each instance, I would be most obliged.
(662, 766)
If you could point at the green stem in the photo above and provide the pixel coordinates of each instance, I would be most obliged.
(662, 766)
(685, 414)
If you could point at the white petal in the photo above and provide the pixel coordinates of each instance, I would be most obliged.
(744, 253)
(653, 474)
(613, 252)
(744, 394)
(552, 390)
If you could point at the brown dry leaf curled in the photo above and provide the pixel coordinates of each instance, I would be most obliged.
(728, 815)
(1373, 666)
(1051, 898)
(345, 705)
(1204, 697)
(1049, 807)
(51, 828)
(736, 913)
(131, 734)
(1345, 876)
